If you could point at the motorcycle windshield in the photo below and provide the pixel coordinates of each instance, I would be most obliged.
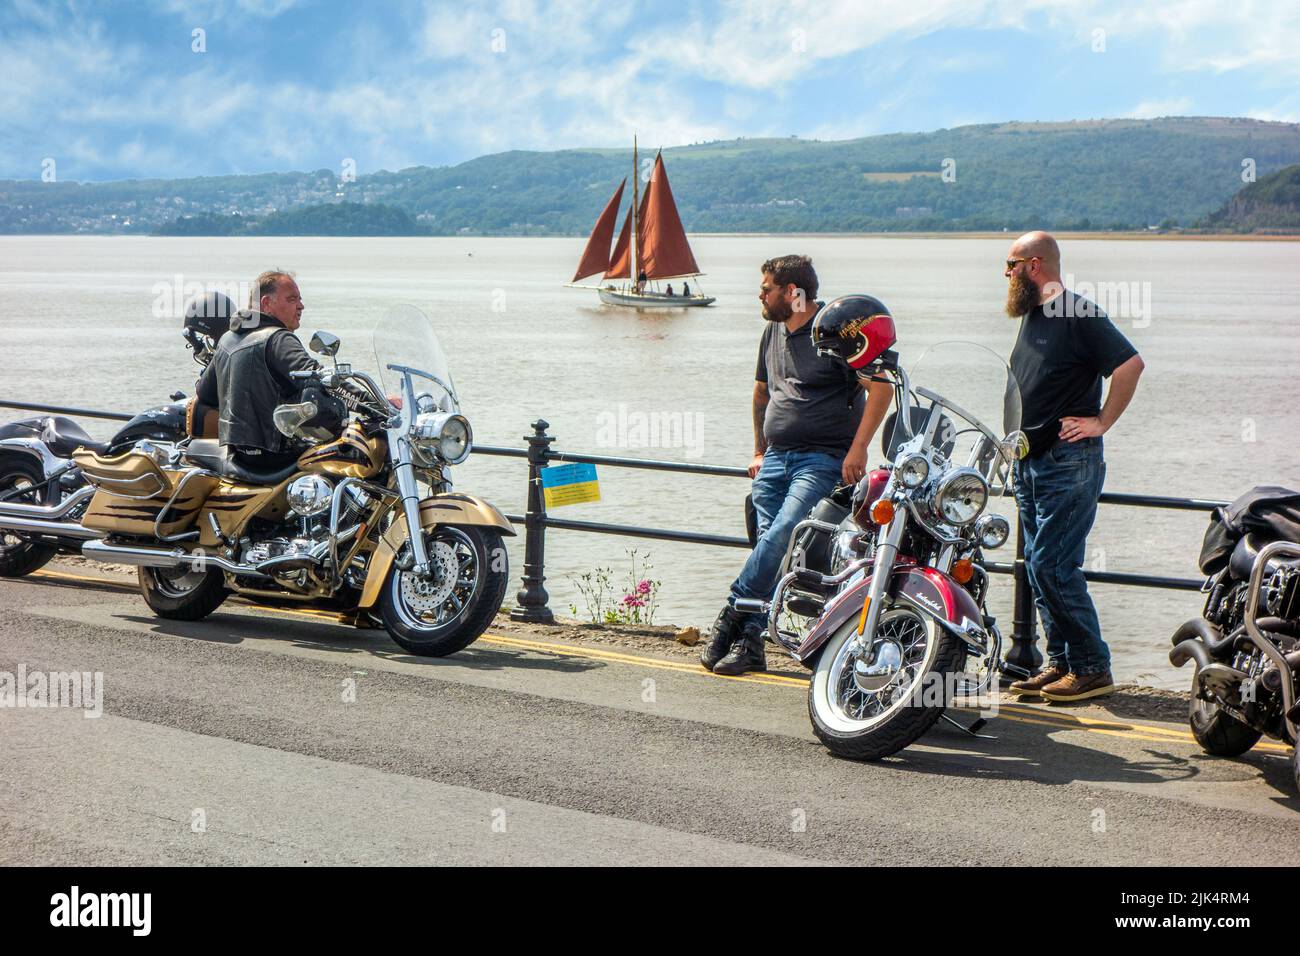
(980, 399)
(405, 338)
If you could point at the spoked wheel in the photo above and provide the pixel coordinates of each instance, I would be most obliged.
(1218, 732)
(185, 593)
(869, 702)
(448, 609)
(18, 555)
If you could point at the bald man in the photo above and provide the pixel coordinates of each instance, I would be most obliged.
(1067, 345)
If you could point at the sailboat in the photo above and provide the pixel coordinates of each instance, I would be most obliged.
(651, 247)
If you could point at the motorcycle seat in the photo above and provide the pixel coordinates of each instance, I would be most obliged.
(63, 436)
(210, 454)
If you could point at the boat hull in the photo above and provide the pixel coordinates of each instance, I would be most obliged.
(654, 300)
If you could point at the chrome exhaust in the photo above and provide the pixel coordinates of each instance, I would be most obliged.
(55, 529)
(99, 550)
(48, 512)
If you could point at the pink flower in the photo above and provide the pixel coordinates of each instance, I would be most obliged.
(643, 587)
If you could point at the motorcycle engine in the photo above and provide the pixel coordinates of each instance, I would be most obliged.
(294, 545)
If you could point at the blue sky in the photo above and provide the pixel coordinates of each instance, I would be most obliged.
(115, 90)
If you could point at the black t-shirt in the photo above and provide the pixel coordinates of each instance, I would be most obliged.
(814, 403)
(1064, 350)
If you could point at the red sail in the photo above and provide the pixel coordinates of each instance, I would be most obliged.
(618, 265)
(662, 248)
(596, 256)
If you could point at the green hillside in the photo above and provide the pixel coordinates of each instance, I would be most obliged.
(1271, 204)
(1099, 174)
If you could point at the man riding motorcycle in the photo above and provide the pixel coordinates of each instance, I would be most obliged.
(251, 373)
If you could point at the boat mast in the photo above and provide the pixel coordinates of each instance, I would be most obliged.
(636, 183)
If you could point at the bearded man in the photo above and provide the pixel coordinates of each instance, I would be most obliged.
(812, 426)
(1066, 346)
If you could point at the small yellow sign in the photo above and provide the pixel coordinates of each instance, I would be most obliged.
(570, 485)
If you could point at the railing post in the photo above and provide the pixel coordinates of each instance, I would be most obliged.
(1023, 652)
(532, 597)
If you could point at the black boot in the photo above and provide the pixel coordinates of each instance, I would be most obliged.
(746, 652)
(725, 630)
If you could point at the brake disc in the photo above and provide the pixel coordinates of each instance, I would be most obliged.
(425, 595)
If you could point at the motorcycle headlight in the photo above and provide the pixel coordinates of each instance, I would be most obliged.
(913, 470)
(993, 531)
(961, 496)
(446, 434)
(309, 495)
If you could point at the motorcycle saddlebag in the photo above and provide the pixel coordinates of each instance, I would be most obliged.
(131, 490)
(816, 544)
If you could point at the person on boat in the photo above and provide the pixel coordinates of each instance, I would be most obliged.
(249, 374)
(686, 288)
(670, 289)
(1066, 346)
(641, 280)
(812, 426)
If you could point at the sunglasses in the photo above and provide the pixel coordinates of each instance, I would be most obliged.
(1012, 263)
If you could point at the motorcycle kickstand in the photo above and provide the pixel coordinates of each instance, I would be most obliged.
(974, 729)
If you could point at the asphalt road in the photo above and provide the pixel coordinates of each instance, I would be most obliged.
(277, 737)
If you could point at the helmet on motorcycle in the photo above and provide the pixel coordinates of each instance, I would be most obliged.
(855, 328)
(207, 318)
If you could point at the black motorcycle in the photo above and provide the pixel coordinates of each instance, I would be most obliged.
(1246, 646)
(42, 491)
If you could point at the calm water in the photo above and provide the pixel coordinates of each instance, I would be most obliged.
(1216, 322)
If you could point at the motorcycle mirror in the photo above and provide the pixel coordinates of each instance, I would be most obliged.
(325, 344)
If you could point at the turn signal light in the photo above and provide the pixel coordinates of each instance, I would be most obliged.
(882, 512)
(963, 571)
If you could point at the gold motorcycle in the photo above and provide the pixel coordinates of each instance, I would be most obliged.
(348, 526)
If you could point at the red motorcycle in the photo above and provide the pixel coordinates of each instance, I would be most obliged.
(901, 626)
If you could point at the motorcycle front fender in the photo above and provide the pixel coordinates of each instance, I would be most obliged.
(931, 592)
(452, 509)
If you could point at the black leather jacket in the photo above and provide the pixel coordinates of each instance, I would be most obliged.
(249, 376)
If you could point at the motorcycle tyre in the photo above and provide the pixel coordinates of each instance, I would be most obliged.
(1218, 733)
(902, 729)
(428, 642)
(194, 605)
(19, 560)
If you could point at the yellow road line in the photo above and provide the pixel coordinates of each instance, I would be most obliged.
(1011, 712)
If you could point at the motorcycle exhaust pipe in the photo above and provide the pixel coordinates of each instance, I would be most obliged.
(157, 558)
(1189, 650)
(1198, 640)
(48, 512)
(54, 529)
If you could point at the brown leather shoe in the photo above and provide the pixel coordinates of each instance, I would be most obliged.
(1079, 687)
(1033, 686)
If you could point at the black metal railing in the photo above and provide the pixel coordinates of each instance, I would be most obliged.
(532, 600)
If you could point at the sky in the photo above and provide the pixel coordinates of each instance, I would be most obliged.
(111, 89)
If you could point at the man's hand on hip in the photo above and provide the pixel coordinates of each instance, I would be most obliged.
(756, 464)
(854, 466)
(1076, 429)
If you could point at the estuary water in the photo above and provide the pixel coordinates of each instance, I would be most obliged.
(93, 322)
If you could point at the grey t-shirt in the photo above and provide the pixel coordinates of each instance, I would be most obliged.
(815, 403)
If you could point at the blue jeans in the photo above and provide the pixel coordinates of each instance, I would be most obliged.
(1057, 495)
(784, 491)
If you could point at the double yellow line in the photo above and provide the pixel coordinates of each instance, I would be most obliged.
(1017, 713)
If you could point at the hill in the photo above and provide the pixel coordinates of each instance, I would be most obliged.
(1271, 204)
(1088, 175)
